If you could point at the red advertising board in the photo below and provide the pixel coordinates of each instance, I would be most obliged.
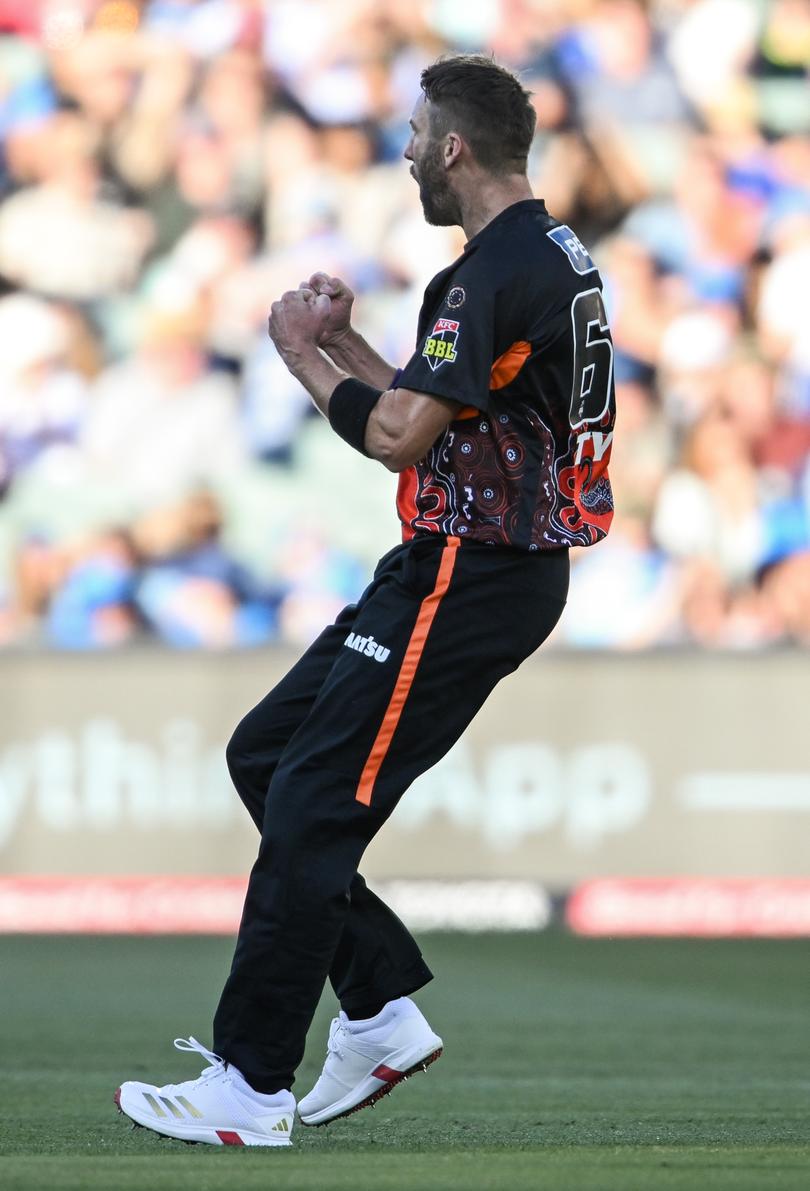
(721, 908)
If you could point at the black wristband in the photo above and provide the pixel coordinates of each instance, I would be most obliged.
(350, 408)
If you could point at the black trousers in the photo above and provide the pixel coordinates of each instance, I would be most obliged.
(322, 761)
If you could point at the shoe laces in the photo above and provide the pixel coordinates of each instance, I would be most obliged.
(337, 1035)
(216, 1066)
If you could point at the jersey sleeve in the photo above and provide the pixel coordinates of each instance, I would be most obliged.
(455, 352)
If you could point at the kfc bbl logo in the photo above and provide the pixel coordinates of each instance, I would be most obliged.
(440, 345)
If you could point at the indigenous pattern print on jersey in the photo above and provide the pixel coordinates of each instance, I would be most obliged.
(516, 331)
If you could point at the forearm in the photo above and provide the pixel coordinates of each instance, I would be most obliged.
(320, 377)
(350, 352)
(316, 373)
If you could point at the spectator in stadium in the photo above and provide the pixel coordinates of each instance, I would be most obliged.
(43, 399)
(190, 590)
(159, 422)
(60, 236)
(93, 607)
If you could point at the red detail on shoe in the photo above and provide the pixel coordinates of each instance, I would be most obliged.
(229, 1139)
(371, 1100)
(387, 1074)
(117, 1099)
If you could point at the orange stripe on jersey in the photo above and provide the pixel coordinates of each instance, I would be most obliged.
(407, 672)
(468, 411)
(507, 366)
(406, 498)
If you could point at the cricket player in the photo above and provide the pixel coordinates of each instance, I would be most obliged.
(499, 427)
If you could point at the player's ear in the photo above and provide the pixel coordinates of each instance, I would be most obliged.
(453, 145)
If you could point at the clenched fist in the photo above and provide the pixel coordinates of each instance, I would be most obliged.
(298, 321)
(341, 298)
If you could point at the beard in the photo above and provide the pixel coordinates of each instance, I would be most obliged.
(439, 204)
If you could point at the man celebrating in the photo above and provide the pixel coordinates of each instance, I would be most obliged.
(500, 428)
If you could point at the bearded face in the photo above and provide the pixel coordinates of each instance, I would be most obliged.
(439, 204)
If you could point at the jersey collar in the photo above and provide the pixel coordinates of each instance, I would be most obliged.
(514, 210)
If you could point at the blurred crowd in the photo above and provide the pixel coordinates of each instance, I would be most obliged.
(169, 168)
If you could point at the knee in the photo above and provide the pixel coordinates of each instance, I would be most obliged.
(313, 822)
(237, 753)
(250, 771)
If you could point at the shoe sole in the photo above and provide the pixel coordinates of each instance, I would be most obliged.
(370, 1101)
(225, 1137)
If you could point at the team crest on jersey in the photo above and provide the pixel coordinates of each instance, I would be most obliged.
(440, 345)
(456, 297)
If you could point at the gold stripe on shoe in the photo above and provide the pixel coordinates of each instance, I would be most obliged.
(189, 1107)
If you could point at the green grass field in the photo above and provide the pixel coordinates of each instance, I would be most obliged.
(569, 1064)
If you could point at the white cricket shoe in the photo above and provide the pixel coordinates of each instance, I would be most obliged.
(365, 1060)
(219, 1108)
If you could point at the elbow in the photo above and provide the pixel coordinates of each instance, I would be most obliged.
(395, 454)
(395, 461)
(403, 458)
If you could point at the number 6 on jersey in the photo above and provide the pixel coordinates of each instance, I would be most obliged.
(593, 359)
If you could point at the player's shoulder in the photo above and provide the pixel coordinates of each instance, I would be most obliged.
(551, 252)
(529, 245)
(564, 246)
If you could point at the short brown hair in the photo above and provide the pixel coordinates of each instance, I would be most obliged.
(487, 104)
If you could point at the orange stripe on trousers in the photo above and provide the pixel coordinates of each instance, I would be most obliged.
(407, 673)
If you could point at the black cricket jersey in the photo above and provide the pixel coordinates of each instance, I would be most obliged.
(516, 331)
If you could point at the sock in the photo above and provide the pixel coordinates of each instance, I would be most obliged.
(357, 1025)
(278, 1099)
(366, 1012)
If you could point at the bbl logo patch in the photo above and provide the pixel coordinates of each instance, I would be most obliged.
(440, 345)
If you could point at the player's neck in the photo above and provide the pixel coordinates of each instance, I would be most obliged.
(491, 196)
